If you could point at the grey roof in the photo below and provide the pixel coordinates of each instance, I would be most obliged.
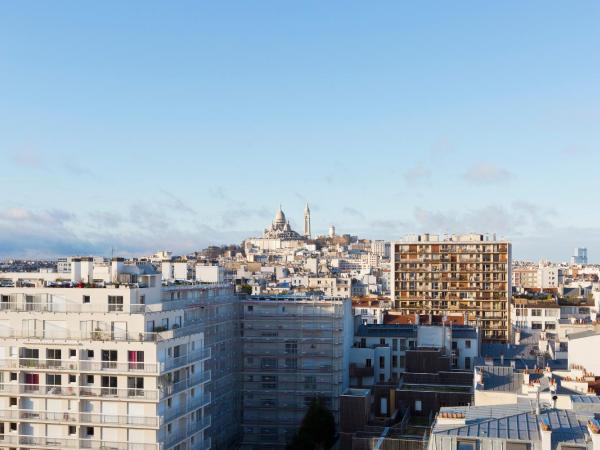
(515, 423)
(582, 334)
(463, 332)
(409, 330)
(391, 330)
(501, 378)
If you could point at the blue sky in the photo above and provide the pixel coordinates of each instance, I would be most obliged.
(142, 125)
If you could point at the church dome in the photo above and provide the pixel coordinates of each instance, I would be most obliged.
(279, 217)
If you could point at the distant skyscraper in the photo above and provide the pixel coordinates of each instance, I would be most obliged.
(579, 256)
(307, 221)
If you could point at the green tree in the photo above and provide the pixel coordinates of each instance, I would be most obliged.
(246, 289)
(317, 431)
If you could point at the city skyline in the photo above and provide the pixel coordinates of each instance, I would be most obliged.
(175, 127)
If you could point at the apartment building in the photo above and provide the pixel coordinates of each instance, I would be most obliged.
(294, 349)
(378, 354)
(535, 314)
(215, 310)
(100, 363)
(467, 274)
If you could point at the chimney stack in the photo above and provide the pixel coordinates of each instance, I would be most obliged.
(545, 434)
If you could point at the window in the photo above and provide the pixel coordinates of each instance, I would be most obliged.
(466, 445)
(30, 353)
(115, 303)
(382, 341)
(169, 402)
(394, 361)
(291, 347)
(250, 308)
(268, 363)
(90, 354)
(310, 382)
(109, 359)
(394, 344)
(13, 376)
(13, 426)
(53, 356)
(72, 353)
(368, 362)
(467, 362)
(13, 401)
(86, 299)
(89, 431)
(291, 363)
(90, 379)
(109, 386)
(72, 378)
(53, 379)
(269, 382)
(135, 386)
(136, 360)
(402, 361)
(382, 362)
(418, 405)
(72, 430)
(536, 312)
(467, 344)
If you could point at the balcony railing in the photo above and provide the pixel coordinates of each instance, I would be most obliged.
(78, 365)
(71, 417)
(192, 357)
(179, 386)
(52, 442)
(191, 429)
(200, 401)
(79, 391)
(97, 335)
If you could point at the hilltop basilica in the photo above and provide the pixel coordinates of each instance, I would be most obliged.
(280, 235)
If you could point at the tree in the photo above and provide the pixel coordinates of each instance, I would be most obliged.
(246, 289)
(317, 431)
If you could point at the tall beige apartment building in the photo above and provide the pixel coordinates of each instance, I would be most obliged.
(467, 275)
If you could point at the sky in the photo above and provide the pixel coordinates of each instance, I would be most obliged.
(131, 127)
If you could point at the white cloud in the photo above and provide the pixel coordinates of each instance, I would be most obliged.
(485, 173)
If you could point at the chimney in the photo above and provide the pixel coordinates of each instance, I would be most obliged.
(116, 267)
(546, 434)
(594, 430)
(76, 270)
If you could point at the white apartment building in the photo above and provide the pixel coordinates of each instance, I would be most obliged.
(210, 274)
(100, 364)
(294, 349)
(535, 315)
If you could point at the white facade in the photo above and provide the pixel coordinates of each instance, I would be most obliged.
(210, 274)
(535, 316)
(110, 365)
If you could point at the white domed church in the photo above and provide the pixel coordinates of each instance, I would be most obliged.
(278, 235)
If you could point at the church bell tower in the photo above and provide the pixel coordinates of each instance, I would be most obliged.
(307, 221)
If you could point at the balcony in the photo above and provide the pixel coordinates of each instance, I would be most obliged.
(78, 391)
(360, 372)
(52, 442)
(193, 428)
(84, 418)
(57, 365)
(200, 401)
(182, 385)
(188, 358)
